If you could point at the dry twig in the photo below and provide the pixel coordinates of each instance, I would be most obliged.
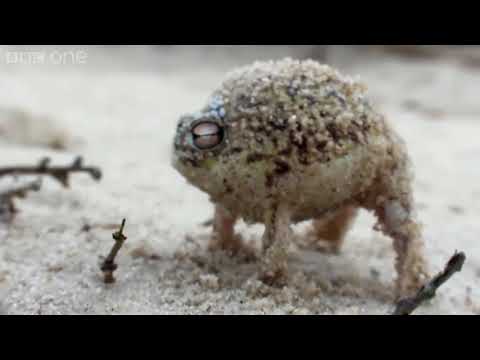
(428, 291)
(7, 206)
(59, 173)
(108, 266)
(207, 223)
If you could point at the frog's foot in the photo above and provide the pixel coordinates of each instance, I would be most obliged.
(274, 268)
(311, 242)
(233, 246)
(272, 278)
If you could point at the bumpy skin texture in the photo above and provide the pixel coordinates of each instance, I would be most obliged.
(298, 141)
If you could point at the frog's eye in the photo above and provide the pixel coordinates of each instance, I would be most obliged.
(207, 135)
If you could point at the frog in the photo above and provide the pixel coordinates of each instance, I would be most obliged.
(287, 141)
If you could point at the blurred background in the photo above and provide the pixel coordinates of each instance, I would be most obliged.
(433, 81)
(445, 70)
(118, 106)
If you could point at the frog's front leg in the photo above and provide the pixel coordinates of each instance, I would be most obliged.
(276, 239)
(224, 237)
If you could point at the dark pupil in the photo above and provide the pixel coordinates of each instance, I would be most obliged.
(207, 135)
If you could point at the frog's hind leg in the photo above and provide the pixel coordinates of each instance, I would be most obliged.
(393, 204)
(327, 234)
(395, 220)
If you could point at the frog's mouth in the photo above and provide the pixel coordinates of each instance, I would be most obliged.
(181, 158)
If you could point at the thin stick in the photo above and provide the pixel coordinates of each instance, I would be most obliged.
(428, 291)
(108, 266)
(59, 173)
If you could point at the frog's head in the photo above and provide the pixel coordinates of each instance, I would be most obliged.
(199, 140)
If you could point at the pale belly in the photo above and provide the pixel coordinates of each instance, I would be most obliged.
(309, 191)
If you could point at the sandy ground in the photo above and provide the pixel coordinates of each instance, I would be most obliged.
(119, 111)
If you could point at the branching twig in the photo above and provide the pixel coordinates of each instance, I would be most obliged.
(108, 266)
(428, 291)
(59, 173)
(7, 206)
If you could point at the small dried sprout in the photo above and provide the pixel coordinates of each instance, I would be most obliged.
(108, 265)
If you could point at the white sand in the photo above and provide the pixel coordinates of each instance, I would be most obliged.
(121, 111)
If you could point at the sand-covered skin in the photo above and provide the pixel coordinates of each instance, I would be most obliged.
(289, 141)
(126, 120)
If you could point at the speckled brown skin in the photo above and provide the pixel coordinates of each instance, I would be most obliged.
(301, 142)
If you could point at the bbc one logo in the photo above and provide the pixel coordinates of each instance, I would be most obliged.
(54, 57)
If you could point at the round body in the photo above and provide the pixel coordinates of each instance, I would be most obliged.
(290, 132)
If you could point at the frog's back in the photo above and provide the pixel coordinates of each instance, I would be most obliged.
(301, 107)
